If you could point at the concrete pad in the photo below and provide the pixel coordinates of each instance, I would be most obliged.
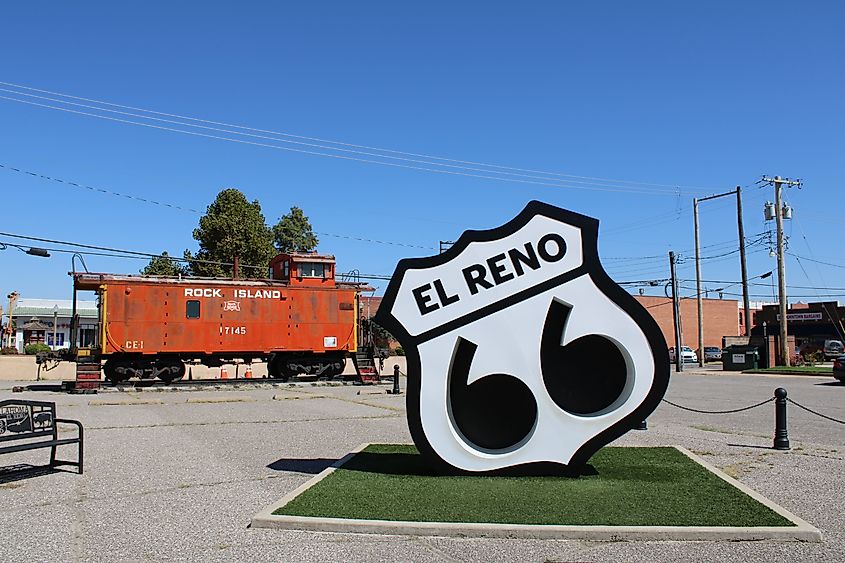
(801, 531)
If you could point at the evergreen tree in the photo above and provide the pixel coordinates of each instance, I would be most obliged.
(232, 227)
(293, 233)
(163, 266)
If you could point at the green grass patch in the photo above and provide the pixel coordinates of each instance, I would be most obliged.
(820, 370)
(630, 487)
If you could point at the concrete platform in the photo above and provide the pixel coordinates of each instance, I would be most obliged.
(801, 531)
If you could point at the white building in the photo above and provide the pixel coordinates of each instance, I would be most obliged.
(38, 320)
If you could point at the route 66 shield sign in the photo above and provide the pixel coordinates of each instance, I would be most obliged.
(521, 350)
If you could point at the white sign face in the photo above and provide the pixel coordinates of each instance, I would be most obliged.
(521, 350)
(802, 317)
(738, 358)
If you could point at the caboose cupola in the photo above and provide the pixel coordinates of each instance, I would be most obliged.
(304, 268)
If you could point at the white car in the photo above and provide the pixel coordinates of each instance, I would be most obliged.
(688, 355)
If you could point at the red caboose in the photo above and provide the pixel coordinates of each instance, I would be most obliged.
(300, 320)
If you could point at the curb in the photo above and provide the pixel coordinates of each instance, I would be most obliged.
(802, 531)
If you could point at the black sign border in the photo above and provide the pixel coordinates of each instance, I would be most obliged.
(590, 266)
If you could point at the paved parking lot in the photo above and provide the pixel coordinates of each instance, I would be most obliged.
(178, 474)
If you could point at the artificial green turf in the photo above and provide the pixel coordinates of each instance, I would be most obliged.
(632, 487)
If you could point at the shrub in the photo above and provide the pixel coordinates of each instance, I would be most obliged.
(813, 358)
(399, 351)
(8, 351)
(36, 348)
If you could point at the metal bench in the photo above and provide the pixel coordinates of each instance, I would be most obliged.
(24, 425)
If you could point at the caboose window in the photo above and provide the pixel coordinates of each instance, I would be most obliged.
(312, 270)
(285, 269)
(192, 309)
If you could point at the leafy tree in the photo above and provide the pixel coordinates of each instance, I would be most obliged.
(293, 233)
(232, 227)
(163, 266)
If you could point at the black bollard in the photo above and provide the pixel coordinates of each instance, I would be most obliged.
(396, 379)
(781, 436)
(643, 425)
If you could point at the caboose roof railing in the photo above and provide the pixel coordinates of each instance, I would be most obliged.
(92, 281)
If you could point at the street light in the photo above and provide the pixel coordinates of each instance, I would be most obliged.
(55, 326)
(12, 298)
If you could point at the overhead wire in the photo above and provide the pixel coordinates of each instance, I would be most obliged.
(486, 176)
(673, 216)
(506, 169)
(312, 145)
(188, 209)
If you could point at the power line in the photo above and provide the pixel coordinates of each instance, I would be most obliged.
(134, 255)
(461, 164)
(338, 156)
(188, 209)
(121, 253)
(108, 191)
(315, 145)
(99, 190)
(816, 261)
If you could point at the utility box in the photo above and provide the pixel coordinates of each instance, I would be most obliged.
(738, 357)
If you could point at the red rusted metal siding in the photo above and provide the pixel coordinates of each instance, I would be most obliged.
(150, 318)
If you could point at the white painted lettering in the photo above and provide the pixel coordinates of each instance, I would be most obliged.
(203, 292)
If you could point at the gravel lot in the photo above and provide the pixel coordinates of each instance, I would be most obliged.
(177, 474)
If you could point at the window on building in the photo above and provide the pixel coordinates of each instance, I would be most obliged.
(60, 339)
(192, 309)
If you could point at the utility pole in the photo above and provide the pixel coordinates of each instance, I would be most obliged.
(746, 306)
(778, 183)
(676, 316)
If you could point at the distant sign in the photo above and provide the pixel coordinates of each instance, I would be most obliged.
(802, 317)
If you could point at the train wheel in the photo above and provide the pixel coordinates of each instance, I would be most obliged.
(279, 370)
(110, 371)
(175, 373)
(337, 368)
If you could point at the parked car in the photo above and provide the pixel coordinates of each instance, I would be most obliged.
(712, 354)
(687, 354)
(839, 369)
(833, 349)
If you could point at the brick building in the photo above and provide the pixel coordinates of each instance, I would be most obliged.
(721, 318)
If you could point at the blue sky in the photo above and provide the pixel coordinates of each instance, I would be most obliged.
(668, 100)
